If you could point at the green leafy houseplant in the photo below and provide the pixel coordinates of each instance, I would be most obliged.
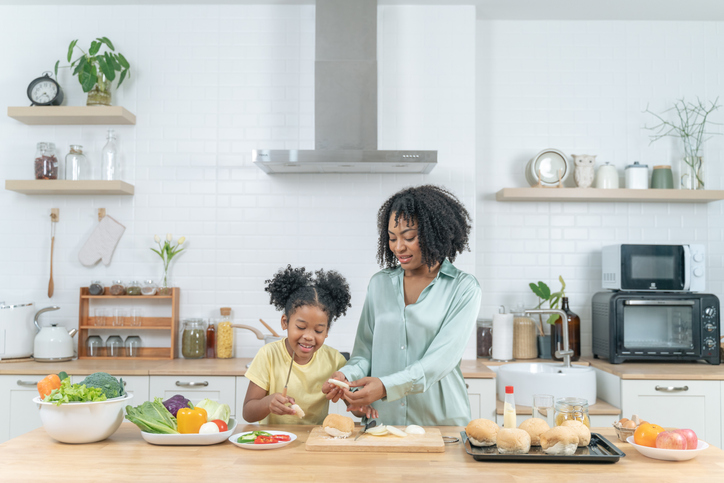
(167, 251)
(543, 292)
(96, 69)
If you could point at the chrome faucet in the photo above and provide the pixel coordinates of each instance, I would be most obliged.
(566, 351)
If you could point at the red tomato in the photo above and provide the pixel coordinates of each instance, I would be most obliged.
(222, 425)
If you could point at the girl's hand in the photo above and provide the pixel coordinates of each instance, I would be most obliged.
(372, 390)
(332, 392)
(278, 404)
(368, 411)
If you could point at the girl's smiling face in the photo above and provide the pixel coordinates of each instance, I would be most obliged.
(306, 329)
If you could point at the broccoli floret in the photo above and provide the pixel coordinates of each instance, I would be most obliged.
(110, 386)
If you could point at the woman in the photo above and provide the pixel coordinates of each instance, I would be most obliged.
(418, 315)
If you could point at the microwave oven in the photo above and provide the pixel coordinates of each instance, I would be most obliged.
(645, 326)
(658, 268)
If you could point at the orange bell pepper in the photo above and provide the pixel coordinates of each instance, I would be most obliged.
(190, 420)
(47, 385)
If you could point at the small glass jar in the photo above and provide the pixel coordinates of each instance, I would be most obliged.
(117, 288)
(95, 287)
(525, 338)
(224, 335)
(569, 408)
(114, 346)
(94, 346)
(148, 287)
(484, 337)
(133, 288)
(76, 164)
(193, 340)
(133, 346)
(46, 161)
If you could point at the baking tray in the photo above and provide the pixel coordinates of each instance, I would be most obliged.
(599, 450)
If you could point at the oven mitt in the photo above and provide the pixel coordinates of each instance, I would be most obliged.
(101, 243)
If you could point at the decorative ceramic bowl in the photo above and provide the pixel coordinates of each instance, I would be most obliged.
(550, 163)
(668, 454)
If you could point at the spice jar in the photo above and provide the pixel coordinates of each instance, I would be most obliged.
(134, 288)
(570, 408)
(211, 341)
(148, 288)
(193, 342)
(225, 335)
(95, 287)
(114, 346)
(46, 161)
(117, 288)
(484, 337)
(524, 336)
(76, 164)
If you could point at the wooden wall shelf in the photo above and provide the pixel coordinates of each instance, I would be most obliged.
(609, 195)
(166, 324)
(72, 115)
(66, 187)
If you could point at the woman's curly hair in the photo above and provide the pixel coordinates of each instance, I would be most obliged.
(443, 224)
(291, 288)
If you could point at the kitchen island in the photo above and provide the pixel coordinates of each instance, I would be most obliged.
(125, 456)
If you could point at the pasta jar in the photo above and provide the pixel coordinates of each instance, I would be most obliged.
(193, 340)
(525, 339)
(224, 335)
(569, 408)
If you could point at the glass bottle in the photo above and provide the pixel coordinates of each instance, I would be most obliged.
(509, 417)
(569, 408)
(211, 341)
(193, 341)
(133, 346)
(114, 345)
(94, 344)
(484, 338)
(76, 164)
(46, 162)
(574, 333)
(110, 168)
(225, 335)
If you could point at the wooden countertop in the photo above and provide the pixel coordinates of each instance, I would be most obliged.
(476, 369)
(698, 371)
(601, 408)
(124, 456)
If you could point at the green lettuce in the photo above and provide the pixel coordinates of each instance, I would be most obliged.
(215, 410)
(152, 417)
(68, 392)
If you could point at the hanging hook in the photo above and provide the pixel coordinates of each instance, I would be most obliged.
(101, 213)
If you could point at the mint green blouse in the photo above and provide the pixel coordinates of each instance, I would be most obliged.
(416, 350)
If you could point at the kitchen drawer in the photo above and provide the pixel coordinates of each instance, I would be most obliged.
(18, 414)
(136, 385)
(196, 388)
(677, 404)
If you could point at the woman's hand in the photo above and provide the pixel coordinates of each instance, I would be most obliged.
(278, 404)
(332, 392)
(372, 390)
(368, 411)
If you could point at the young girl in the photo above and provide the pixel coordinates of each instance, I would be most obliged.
(310, 303)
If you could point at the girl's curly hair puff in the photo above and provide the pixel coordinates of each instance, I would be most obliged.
(291, 288)
(443, 224)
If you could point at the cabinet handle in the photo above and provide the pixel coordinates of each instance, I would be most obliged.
(467, 386)
(27, 383)
(672, 388)
(191, 384)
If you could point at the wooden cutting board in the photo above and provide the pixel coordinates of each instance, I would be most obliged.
(430, 442)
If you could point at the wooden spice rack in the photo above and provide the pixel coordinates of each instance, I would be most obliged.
(170, 324)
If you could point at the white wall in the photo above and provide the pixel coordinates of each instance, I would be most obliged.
(581, 87)
(209, 84)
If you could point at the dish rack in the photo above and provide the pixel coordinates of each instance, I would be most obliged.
(165, 324)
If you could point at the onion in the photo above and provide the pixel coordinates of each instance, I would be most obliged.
(208, 428)
(414, 429)
(337, 383)
(396, 432)
(378, 430)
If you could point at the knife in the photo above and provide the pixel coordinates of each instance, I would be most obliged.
(370, 424)
(284, 391)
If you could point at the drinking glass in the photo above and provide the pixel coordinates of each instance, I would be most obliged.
(114, 345)
(100, 317)
(122, 317)
(94, 344)
(543, 408)
(135, 317)
(133, 346)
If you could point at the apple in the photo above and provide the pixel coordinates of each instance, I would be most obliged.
(670, 440)
(692, 441)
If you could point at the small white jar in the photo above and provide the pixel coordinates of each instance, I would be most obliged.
(637, 176)
(607, 177)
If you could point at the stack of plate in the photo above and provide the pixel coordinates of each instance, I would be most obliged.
(548, 162)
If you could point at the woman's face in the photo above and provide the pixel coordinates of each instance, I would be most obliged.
(404, 243)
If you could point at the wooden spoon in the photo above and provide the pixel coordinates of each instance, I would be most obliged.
(270, 329)
(51, 285)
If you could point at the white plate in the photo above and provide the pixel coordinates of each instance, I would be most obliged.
(668, 454)
(190, 439)
(233, 439)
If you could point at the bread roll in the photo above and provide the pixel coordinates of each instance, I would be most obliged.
(482, 432)
(559, 440)
(338, 426)
(582, 431)
(513, 441)
(534, 427)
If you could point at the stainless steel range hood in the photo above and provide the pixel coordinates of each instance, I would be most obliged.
(345, 101)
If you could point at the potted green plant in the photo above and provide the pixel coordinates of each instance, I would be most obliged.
(543, 292)
(97, 70)
(690, 125)
(167, 251)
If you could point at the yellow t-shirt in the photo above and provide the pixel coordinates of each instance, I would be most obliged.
(269, 371)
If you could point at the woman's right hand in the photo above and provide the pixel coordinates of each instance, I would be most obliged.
(278, 404)
(332, 392)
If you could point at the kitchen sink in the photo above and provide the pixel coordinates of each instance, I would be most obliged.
(546, 378)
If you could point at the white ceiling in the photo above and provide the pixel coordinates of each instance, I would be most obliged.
(712, 10)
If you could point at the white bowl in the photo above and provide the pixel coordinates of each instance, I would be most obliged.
(82, 422)
(190, 439)
(234, 437)
(668, 454)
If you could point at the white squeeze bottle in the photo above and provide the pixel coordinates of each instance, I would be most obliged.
(509, 420)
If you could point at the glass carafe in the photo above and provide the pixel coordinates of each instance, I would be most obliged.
(76, 164)
(193, 340)
(110, 168)
(574, 333)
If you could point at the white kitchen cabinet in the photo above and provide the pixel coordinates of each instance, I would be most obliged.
(136, 385)
(19, 414)
(196, 388)
(481, 394)
(242, 384)
(679, 404)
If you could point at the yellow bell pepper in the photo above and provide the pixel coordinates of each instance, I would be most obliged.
(190, 420)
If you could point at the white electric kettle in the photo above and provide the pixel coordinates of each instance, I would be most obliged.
(53, 344)
(16, 330)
